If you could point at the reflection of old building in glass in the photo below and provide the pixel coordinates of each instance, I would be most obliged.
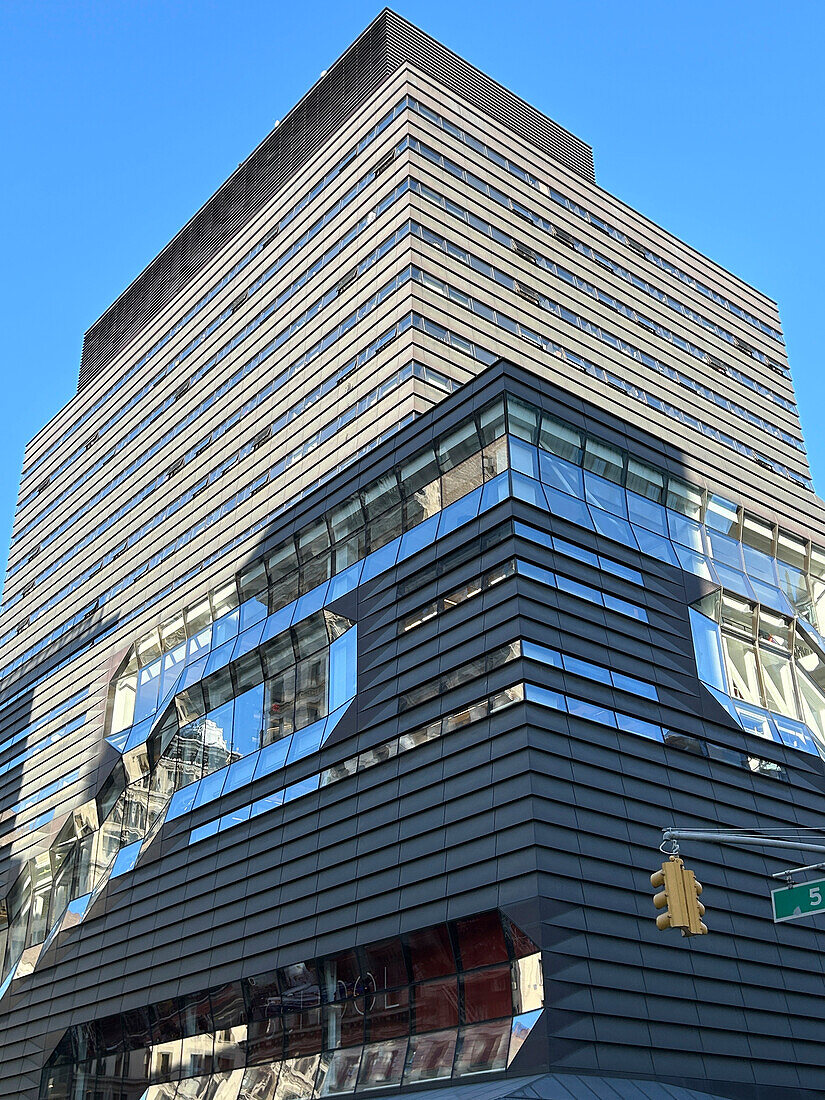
(428, 530)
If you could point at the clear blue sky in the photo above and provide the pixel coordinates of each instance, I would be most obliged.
(120, 118)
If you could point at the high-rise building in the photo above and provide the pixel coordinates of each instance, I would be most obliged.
(428, 530)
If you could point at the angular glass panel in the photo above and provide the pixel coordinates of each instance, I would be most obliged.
(790, 550)
(306, 741)
(755, 721)
(624, 607)
(422, 469)
(541, 653)
(126, 860)
(431, 953)
(795, 735)
(149, 648)
(345, 582)
(533, 693)
(725, 550)
(561, 475)
(491, 422)
(311, 602)
(482, 1048)
(707, 645)
(524, 458)
(734, 581)
(486, 994)
(435, 1004)
(196, 1056)
(459, 513)
(379, 561)
(248, 721)
(341, 1073)
(605, 494)
(613, 527)
(528, 983)
(722, 515)
(759, 565)
(279, 706)
(630, 724)
(645, 480)
(758, 535)
(252, 612)
(224, 599)
(461, 480)
(527, 489)
(381, 495)
(260, 1082)
(560, 440)
(220, 657)
(250, 638)
(770, 596)
(777, 675)
(311, 676)
(226, 1084)
(521, 1027)
(494, 492)
(224, 630)
(523, 420)
(585, 668)
(148, 686)
(684, 499)
(695, 563)
(217, 689)
(568, 507)
(607, 462)
(182, 801)
(247, 672)
(495, 459)
(686, 532)
(240, 773)
(382, 1064)
(343, 669)
(743, 675)
(210, 788)
(647, 515)
(481, 940)
(813, 704)
(346, 519)
(430, 1056)
(272, 757)
(591, 712)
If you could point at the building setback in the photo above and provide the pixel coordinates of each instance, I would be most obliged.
(428, 530)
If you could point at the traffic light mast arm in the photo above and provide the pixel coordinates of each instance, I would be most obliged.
(746, 840)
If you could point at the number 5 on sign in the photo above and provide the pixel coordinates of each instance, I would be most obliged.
(798, 901)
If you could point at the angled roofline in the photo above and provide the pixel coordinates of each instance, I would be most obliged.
(379, 51)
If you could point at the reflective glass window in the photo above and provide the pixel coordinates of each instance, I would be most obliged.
(606, 461)
(560, 440)
(435, 1004)
(486, 994)
(482, 1047)
(430, 1056)
(431, 953)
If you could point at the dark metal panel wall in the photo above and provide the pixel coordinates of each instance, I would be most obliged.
(551, 817)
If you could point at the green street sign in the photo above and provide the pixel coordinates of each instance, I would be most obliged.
(798, 901)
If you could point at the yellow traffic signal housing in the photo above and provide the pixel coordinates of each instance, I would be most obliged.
(679, 896)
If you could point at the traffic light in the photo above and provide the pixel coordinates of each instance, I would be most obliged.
(679, 896)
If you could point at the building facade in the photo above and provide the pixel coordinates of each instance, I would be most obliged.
(428, 530)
